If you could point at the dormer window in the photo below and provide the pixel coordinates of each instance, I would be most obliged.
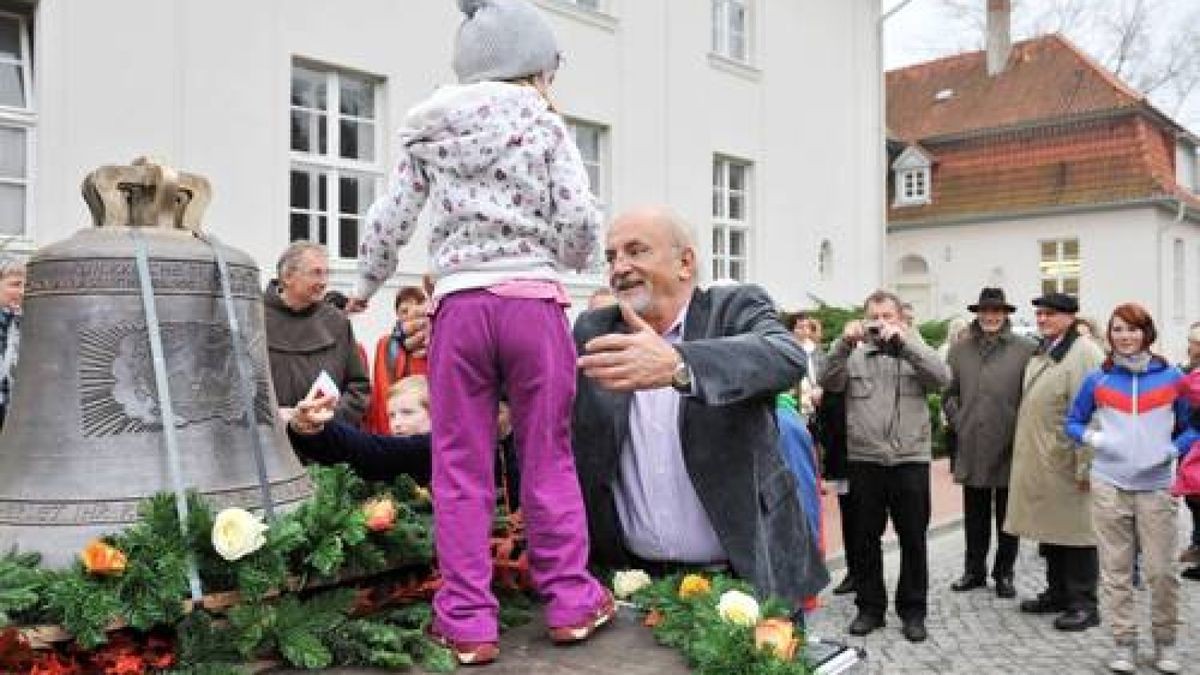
(913, 173)
(1187, 166)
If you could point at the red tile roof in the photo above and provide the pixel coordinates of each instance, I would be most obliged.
(1055, 129)
(1046, 78)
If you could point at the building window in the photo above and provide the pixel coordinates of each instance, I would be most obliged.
(731, 220)
(730, 28)
(913, 177)
(1187, 171)
(17, 122)
(335, 143)
(1178, 269)
(592, 141)
(1060, 266)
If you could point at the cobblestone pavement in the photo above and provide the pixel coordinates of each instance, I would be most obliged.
(976, 632)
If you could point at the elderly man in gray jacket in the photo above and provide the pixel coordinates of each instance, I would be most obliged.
(886, 371)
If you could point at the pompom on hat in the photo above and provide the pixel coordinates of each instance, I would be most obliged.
(502, 40)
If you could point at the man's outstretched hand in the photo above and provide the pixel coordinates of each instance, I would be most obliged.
(632, 361)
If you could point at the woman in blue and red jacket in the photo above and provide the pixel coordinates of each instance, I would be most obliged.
(1131, 413)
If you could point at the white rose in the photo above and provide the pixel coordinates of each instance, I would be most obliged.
(737, 607)
(628, 582)
(236, 533)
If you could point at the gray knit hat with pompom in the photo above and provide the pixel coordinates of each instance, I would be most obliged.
(502, 40)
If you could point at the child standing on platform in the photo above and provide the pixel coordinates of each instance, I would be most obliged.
(509, 205)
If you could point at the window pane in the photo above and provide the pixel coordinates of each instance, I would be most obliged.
(12, 209)
(1049, 250)
(737, 177)
(718, 242)
(322, 230)
(355, 194)
(299, 227)
(718, 174)
(1071, 249)
(716, 25)
(307, 126)
(737, 206)
(1049, 286)
(358, 140)
(322, 192)
(12, 153)
(1071, 285)
(588, 140)
(357, 97)
(10, 38)
(717, 269)
(593, 172)
(718, 204)
(737, 243)
(308, 88)
(301, 195)
(12, 92)
(348, 237)
(737, 45)
(737, 270)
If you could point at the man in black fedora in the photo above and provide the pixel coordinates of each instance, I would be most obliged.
(987, 368)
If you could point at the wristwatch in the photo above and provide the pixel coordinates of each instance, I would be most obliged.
(681, 379)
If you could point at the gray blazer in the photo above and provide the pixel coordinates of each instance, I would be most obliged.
(741, 356)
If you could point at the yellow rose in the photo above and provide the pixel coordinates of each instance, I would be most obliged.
(694, 585)
(737, 607)
(628, 582)
(421, 495)
(237, 533)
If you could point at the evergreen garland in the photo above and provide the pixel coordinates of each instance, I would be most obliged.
(324, 539)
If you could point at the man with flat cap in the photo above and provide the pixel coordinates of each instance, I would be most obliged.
(1049, 500)
(987, 371)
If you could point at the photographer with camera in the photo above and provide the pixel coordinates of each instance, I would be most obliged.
(886, 371)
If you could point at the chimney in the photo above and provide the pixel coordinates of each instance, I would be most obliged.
(999, 39)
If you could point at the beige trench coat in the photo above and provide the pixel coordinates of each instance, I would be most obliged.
(1044, 500)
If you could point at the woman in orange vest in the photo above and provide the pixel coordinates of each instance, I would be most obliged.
(393, 361)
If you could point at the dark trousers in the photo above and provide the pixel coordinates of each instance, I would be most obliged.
(1071, 575)
(977, 517)
(849, 522)
(901, 492)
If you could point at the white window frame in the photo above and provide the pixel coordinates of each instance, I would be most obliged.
(725, 226)
(23, 118)
(601, 186)
(1187, 166)
(331, 163)
(723, 20)
(913, 171)
(1059, 268)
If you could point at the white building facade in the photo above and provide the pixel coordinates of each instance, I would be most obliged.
(759, 122)
(1149, 254)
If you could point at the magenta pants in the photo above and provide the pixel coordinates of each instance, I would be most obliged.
(482, 342)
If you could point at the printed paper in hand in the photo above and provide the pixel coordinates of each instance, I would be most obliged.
(323, 386)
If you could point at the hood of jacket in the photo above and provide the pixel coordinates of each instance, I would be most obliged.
(486, 115)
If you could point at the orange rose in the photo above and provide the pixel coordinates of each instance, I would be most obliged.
(776, 635)
(380, 513)
(694, 585)
(100, 558)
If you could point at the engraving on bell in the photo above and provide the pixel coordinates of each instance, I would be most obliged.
(84, 438)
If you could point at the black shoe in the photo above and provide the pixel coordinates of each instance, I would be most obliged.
(914, 630)
(1077, 619)
(1005, 588)
(1192, 573)
(847, 586)
(969, 581)
(865, 623)
(1042, 604)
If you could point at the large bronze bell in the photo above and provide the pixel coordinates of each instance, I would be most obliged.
(85, 440)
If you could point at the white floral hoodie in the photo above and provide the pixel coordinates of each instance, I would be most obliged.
(508, 193)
